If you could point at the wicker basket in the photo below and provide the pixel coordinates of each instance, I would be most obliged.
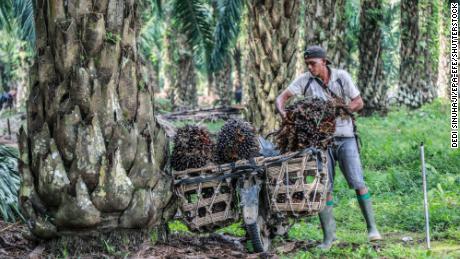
(212, 203)
(298, 184)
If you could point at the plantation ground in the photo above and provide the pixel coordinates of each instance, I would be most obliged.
(390, 155)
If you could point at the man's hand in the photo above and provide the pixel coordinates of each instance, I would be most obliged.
(281, 100)
(355, 105)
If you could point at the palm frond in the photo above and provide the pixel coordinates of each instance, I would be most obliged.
(24, 13)
(17, 17)
(193, 19)
(150, 38)
(9, 184)
(5, 17)
(159, 7)
(226, 31)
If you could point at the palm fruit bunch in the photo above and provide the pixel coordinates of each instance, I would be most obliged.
(236, 140)
(308, 123)
(192, 148)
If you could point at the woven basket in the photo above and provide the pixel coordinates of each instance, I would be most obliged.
(297, 185)
(207, 205)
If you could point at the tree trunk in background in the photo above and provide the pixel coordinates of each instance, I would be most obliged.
(273, 36)
(409, 78)
(238, 80)
(430, 53)
(444, 55)
(224, 84)
(325, 25)
(185, 92)
(371, 81)
(170, 68)
(93, 154)
(418, 71)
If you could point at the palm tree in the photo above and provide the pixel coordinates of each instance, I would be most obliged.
(18, 36)
(16, 16)
(93, 155)
(185, 90)
(224, 83)
(228, 16)
(191, 18)
(417, 79)
(272, 39)
(371, 80)
(325, 25)
(430, 40)
(444, 55)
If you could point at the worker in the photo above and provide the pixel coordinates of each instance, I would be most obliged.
(7, 98)
(327, 83)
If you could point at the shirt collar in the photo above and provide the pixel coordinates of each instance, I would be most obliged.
(332, 74)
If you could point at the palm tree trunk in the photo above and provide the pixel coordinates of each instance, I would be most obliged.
(371, 80)
(273, 36)
(224, 84)
(238, 81)
(444, 54)
(409, 81)
(93, 154)
(185, 92)
(325, 25)
(417, 69)
(431, 36)
(170, 68)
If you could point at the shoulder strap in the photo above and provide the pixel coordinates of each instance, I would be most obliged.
(307, 86)
(341, 87)
(311, 79)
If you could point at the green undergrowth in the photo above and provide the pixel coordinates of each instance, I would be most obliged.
(391, 160)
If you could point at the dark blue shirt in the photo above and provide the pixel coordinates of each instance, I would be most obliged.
(5, 98)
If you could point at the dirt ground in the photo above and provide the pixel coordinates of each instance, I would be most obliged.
(13, 244)
(15, 121)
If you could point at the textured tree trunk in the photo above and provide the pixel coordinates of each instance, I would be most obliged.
(371, 81)
(224, 84)
(185, 91)
(238, 80)
(93, 155)
(325, 25)
(409, 78)
(417, 73)
(444, 55)
(273, 36)
(170, 68)
(430, 36)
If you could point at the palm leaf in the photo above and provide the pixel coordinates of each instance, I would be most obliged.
(226, 31)
(150, 38)
(5, 17)
(24, 13)
(9, 184)
(17, 18)
(193, 19)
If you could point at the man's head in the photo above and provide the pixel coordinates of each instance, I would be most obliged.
(315, 59)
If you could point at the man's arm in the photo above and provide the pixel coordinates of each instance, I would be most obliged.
(281, 101)
(356, 104)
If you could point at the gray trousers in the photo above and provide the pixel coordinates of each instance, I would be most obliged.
(345, 151)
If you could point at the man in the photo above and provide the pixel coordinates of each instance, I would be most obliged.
(7, 98)
(324, 82)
